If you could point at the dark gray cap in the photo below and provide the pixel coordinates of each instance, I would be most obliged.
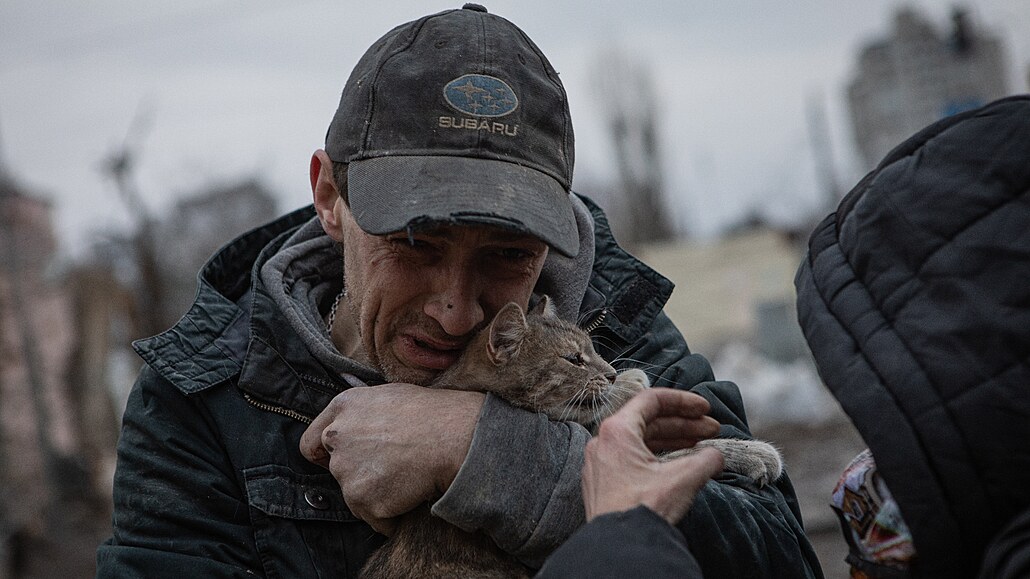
(457, 118)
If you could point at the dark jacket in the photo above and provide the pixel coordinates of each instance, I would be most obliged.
(634, 543)
(210, 481)
(915, 301)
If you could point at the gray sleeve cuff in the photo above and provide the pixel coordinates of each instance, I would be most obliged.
(520, 482)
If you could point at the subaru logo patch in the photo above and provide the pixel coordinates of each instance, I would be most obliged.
(480, 95)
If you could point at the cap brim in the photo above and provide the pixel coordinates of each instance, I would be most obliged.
(386, 194)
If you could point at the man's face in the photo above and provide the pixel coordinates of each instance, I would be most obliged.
(418, 300)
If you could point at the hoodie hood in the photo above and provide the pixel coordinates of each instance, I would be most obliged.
(915, 300)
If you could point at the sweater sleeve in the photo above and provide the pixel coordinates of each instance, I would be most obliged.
(621, 545)
(178, 511)
(520, 482)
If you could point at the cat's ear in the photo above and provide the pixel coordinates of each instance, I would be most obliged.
(507, 331)
(545, 308)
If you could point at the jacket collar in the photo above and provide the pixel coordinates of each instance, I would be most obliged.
(626, 293)
(207, 346)
(234, 331)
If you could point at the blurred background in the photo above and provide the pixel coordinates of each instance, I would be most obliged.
(136, 138)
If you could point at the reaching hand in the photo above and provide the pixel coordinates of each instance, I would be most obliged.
(392, 447)
(620, 469)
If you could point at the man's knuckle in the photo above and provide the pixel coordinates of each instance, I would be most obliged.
(329, 438)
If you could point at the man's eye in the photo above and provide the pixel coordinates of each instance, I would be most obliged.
(514, 253)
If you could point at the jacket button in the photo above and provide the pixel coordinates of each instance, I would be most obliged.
(316, 499)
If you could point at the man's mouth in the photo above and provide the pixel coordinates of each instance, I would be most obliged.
(428, 353)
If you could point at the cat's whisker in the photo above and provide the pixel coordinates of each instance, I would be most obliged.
(609, 344)
(619, 353)
(565, 409)
(587, 315)
(571, 405)
(605, 408)
(575, 402)
(580, 399)
(605, 341)
(618, 388)
(620, 359)
(655, 376)
(657, 379)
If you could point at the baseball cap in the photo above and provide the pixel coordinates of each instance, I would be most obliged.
(457, 117)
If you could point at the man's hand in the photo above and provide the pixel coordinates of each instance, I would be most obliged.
(392, 447)
(620, 470)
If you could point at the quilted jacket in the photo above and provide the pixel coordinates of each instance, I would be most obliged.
(915, 300)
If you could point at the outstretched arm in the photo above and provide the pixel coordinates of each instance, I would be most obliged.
(621, 471)
(631, 498)
(734, 528)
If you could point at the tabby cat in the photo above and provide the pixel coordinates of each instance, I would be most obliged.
(544, 364)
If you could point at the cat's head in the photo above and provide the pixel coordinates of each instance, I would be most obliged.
(546, 364)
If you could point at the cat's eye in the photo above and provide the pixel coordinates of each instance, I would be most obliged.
(576, 359)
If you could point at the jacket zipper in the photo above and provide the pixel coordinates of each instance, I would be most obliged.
(596, 323)
(277, 409)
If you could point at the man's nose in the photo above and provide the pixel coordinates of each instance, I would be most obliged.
(456, 305)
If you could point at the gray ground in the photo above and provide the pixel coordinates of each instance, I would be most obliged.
(815, 457)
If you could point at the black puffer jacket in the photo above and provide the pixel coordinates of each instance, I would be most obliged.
(915, 300)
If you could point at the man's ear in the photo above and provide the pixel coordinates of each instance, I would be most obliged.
(326, 196)
(507, 331)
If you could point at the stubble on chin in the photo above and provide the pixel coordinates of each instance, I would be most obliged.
(389, 364)
(394, 370)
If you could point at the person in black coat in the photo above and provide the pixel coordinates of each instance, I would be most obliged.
(915, 300)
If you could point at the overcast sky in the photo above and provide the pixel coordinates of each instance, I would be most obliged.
(227, 90)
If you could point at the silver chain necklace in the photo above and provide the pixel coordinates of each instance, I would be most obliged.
(332, 311)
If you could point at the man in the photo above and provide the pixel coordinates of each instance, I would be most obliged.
(444, 184)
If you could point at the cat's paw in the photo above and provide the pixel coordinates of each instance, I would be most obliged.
(632, 381)
(755, 459)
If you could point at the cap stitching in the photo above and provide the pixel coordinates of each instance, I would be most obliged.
(565, 97)
(483, 66)
(366, 136)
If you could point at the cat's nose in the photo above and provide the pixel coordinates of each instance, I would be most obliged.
(610, 376)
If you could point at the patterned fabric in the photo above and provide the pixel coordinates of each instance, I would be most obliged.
(879, 541)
